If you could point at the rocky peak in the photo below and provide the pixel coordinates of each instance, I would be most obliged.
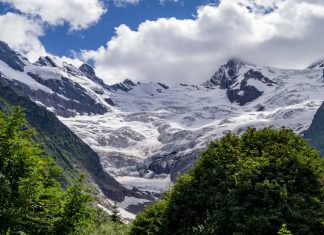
(126, 86)
(226, 75)
(316, 65)
(87, 69)
(12, 58)
(46, 61)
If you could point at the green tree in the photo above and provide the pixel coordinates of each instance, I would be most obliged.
(31, 198)
(284, 231)
(150, 221)
(77, 211)
(249, 184)
(103, 225)
(29, 191)
(115, 216)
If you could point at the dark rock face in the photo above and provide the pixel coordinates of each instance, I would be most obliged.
(162, 164)
(163, 86)
(45, 61)
(227, 77)
(88, 70)
(11, 57)
(243, 95)
(125, 86)
(252, 74)
(227, 74)
(315, 133)
(247, 93)
(319, 64)
(77, 98)
(174, 163)
(110, 101)
(90, 73)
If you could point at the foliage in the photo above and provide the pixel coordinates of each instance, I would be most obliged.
(76, 213)
(28, 188)
(249, 184)
(284, 231)
(104, 225)
(32, 200)
(115, 216)
(150, 221)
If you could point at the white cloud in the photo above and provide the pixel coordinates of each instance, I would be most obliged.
(79, 14)
(22, 30)
(122, 3)
(22, 34)
(172, 50)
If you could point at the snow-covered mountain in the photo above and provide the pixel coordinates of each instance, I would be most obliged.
(147, 134)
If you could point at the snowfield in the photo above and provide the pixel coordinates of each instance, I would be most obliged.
(150, 121)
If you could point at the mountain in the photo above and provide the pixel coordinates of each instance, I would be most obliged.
(315, 133)
(147, 134)
(70, 152)
(155, 132)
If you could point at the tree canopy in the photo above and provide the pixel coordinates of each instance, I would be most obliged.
(248, 184)
(32, 200)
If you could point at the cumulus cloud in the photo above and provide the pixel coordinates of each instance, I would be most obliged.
(172, 50)
(22, 34)
(22, 29)
(79, 14)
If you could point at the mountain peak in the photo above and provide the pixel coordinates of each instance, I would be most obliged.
(46, 61)
(316, 65)
(11, 57)
(87, 69)
(234, 62)
(226, 75)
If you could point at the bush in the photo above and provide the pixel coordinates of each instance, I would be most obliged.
(249, 184)
(150, 221)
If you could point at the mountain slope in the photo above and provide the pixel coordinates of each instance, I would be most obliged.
(69, 151)
(154, 132)
(315, 133)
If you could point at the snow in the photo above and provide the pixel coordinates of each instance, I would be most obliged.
(151, 185)
(131, 201)
(22, 77)
(147, 122)
(152, 121)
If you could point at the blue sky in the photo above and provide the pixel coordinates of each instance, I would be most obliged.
(177, 41)
(60, 41)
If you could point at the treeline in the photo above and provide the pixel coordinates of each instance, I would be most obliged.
(32, 200)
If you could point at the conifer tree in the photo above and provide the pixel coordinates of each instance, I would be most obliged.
(115, 216)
